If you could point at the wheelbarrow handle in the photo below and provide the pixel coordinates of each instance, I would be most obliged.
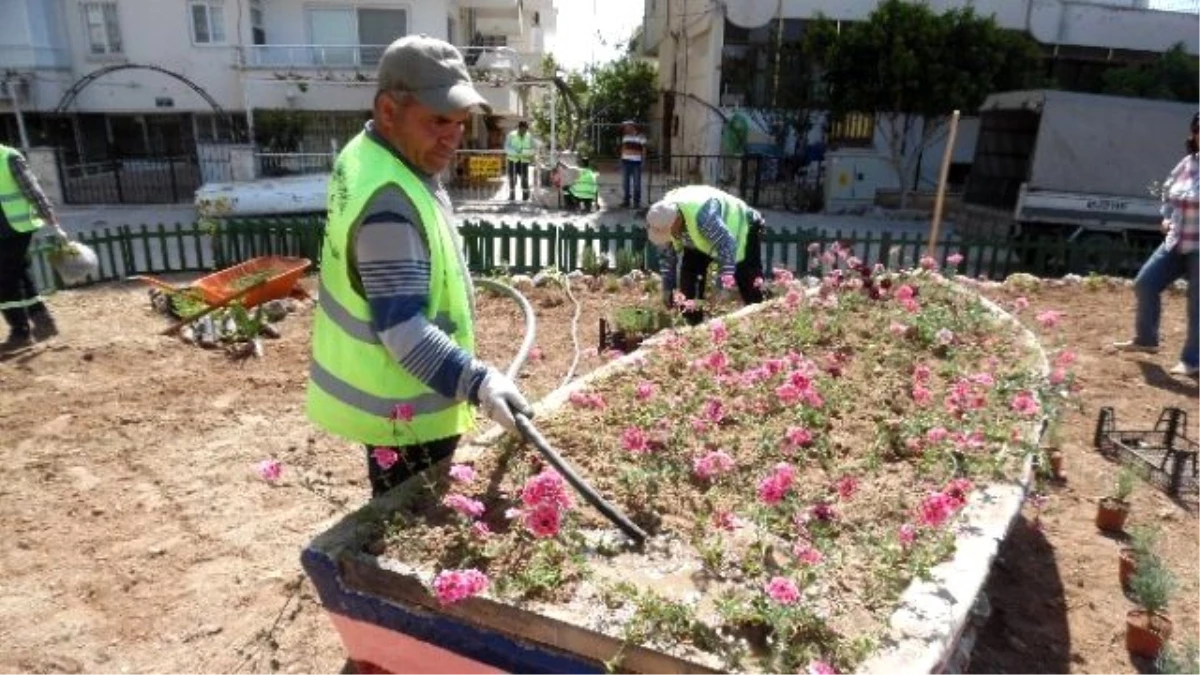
(173, 328)
(612, 513)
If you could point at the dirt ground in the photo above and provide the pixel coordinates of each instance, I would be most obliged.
(136, 536)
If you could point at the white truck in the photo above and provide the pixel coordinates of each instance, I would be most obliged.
(1055, 164)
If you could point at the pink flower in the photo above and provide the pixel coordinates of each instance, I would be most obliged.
(898, 329)
(921, 395)
(385, 457)
(807, 554)
(1025, 404)
(726, 520)
(759, 283)
(799, 437)
(713, 464)
(634, 440)
(822, 512)
(820, 668)
(719, 332)
(644, 390)
(1020, 304)
(452, 586)
(403, 412)
(773, 488)
(546, 487)
(471, 508)
(481, 530)
(793, 299)
(716, 361)
(462, 473)
(587, 401)
(846, 487)
(983, 378)
(535, 353)
(788, 394)
(928, 263)
(905, 292)
(1049, 318)
(1058, 376)
(543, 521)
(958, 489)
(954, 259)
(783, 276)
(782, 590)
(907, 535)
(1065, 359)
(937, 434)
(921, 373)
(935, 509)
(269, 470)
(728, 282)
(911, 306)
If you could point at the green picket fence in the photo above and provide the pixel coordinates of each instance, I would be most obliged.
(527, 248)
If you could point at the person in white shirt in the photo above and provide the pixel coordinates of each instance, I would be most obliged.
(633, 152)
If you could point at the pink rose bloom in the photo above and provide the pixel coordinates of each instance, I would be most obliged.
(928, 263)
(782, 590)
(846, 487)
(936, 509)
(937, 434)
(546, 487)
(726, 520)
(954, 259)
(799, 437)
(793, 299)
(1025, 404)
(644, 390)
(269, 470)
(462, 473)
(403, 412)
(783, 276)
(716, 361)
(984, 379)
(470, 508)
(543, 521)
(921, 395)
(806, 554)
(907, 535)
(1020, 304)
(714, 410)
(385, 457)
(905, 292)
(1065, 359)
(453, 586)
(719, 332)
(788, 394)
(820, 668)
(1058, 376)
(728, 282)
(921, 373)
(910, 306)
(713, 464)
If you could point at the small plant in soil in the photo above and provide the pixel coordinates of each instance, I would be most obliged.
(1153, 585)
(1179, 658)
(1149, 627)
(1114, 508)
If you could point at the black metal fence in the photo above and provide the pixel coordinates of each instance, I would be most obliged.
(762, 181)
(151, 180)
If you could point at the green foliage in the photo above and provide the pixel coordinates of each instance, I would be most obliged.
(1124, 484)
(909, 63)
(1183, 658)
(1173, 76)
(1152, 585)
(628, 260)
(593, 263)
(568, 127)
(1142, 539)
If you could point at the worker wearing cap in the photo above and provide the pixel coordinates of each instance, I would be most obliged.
(24, 209)
(696, 225)
(394, 364)
(518, 150)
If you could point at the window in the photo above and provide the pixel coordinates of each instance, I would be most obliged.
(258, 34)
(103, 31)
(208, 22)
(350, 37)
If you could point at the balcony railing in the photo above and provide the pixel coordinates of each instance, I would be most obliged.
(497, 65)
(25, 56)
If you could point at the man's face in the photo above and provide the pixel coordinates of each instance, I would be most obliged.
(425, 138)
(522, 130)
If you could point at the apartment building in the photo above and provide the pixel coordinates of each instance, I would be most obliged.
(105, 79)
(707, 51)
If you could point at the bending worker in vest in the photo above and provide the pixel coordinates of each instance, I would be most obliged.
(24, 209)
(582, 185)
(393, 361)
(697, 224)
(518, 149)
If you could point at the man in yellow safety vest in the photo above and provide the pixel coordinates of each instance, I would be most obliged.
(518, 150)
(24, 209)
(394, 364)
(696, 225)
(581, 183)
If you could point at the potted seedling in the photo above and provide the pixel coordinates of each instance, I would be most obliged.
(1142, 539)
(1148, 627)
(1179, 658)
(630, 326)
(1114, 508)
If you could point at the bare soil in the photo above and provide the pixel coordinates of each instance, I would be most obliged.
(136, 535)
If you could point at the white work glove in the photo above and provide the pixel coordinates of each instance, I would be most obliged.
(499, 398)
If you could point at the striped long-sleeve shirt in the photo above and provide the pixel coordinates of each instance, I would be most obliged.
(712, 226)
(392, 261)
(1181, 205)
(28, 184)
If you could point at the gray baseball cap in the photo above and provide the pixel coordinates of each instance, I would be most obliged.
(433, 70)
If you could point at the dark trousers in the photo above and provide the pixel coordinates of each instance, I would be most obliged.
(413, 460)
(17, 290)
(693, 271)
(631, 182)
(518, 169)
(573, 203)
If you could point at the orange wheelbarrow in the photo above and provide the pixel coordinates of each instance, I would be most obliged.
(252, 283)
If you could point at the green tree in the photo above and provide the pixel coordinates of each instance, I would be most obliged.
(911, 67)
(568, 123)
(1173, 76)
(622, 89)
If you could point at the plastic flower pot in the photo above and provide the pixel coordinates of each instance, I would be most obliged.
(1128, 565)
(1111, 514)
(1145, 632)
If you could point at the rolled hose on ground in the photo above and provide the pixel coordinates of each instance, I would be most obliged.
(531, 434)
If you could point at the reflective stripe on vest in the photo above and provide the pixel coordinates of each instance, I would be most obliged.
(355, 384)
(20, 213)
(691, 198)
(518, 148)
(584, 187)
